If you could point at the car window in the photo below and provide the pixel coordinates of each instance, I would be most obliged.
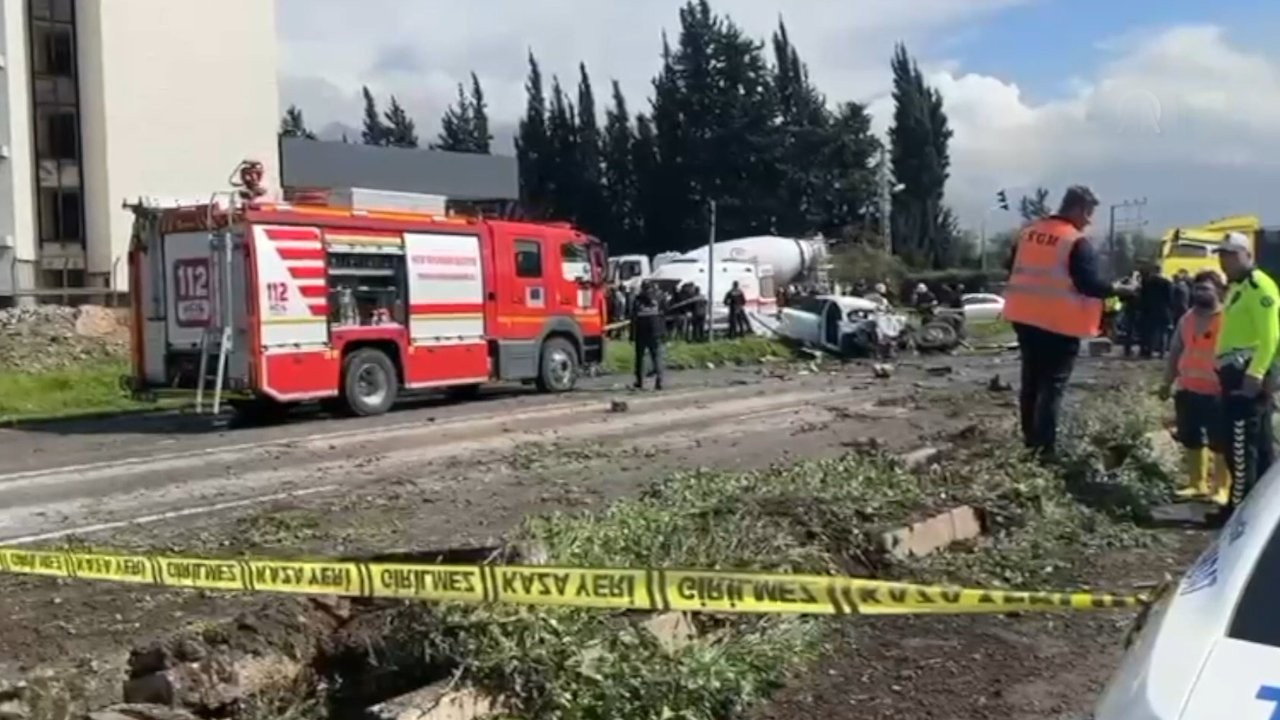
(973, 300)
(1256, 619)
(810, 305)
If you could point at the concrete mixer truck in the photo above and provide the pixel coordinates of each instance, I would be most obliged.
(760, 265)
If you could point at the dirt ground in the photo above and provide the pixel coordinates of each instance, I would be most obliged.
(1032, 667)
(468, 493)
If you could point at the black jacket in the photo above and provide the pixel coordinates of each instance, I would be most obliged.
(647, 318)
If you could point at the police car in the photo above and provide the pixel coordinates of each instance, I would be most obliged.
(1209, 648)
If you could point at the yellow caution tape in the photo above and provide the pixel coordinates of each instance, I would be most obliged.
(654, 589)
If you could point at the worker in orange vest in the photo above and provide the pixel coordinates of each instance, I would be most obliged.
(1192, 365)
(1054, 300)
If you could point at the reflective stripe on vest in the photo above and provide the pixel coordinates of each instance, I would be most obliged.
(1040, 292)
(1197, 365)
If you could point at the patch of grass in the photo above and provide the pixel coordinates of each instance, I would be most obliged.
(89, 388)
(991, 332)
(822, 516)
(620, 354)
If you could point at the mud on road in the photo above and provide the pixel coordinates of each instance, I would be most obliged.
(448, 476)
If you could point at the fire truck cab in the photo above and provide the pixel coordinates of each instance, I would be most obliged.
(272, 303)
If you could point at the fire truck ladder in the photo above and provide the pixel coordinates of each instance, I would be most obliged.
(221, 321)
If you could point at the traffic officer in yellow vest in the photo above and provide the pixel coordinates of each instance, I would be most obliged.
(1054, 299)
(1191, 364)
(1246, 359)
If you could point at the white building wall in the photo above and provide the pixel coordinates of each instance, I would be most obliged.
(17, 201)
(173, 94)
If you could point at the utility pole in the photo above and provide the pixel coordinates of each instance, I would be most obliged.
(1111, 226)
(711, 274)
(886, 201)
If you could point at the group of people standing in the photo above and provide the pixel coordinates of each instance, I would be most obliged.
(1145, 310)
(651, 315)
(1221, 369)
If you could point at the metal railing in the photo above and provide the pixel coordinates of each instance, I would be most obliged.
(19, 281)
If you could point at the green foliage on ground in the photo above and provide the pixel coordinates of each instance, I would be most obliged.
(86, 388)
(620, 355)
(821, 516)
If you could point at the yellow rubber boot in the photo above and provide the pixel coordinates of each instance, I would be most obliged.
(1221, 480)
(1196, 463)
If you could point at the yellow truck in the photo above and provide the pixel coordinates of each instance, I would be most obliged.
(1191, 248)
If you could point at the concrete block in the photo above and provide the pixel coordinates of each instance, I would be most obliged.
(438, 701)
(673, 630)
(933, 534)
(917, 458)
(1099, 347)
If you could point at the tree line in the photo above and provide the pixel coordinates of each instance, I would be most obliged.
(730, 120)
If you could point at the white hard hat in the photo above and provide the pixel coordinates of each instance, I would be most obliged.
(1235, 242)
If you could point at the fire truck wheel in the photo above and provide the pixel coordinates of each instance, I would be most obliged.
(369, 382)
(559, 371)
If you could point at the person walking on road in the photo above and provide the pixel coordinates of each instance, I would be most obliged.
(1197, 402)
(1246, 358)
(648, 330)
(1053, 299)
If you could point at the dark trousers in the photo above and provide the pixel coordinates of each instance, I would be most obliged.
(1248, 434)
(650, 347)
(698, 328)
(1047, 361)
(1154, 332)
(738, 323)
(1199, 421)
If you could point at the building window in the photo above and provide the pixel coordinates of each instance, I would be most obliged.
(51, 34)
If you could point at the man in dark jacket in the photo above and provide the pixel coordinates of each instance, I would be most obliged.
(1155, 308)
(648, 329)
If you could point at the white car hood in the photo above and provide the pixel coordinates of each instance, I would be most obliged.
(1240, 681)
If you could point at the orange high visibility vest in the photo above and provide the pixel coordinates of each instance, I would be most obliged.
(1040, 292)
(1197, 371)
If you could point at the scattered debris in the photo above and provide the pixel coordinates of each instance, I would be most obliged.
(940, 370)
(53, 337)
(999, 384)
(619, 406)
(883, 371)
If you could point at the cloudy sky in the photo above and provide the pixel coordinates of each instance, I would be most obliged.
(1177, 101)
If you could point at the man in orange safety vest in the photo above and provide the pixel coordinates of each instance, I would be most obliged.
(1192, 365)
(1054, 300)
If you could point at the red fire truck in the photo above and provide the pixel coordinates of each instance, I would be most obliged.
(265, 304)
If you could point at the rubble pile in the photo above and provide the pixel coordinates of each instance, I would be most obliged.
(44, 338)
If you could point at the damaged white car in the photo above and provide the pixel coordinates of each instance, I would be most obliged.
(842, 325)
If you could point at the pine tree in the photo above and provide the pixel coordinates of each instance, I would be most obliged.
(808, 141)
(533, 151)
(1035, 206)
(375, 132)
(481, 138)
(920, 138)
(457, 126)
(618, 176)
(294, 125)
(591, 212)
(565, 171)
(649, 215)
(401, 130)
(846, 184)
